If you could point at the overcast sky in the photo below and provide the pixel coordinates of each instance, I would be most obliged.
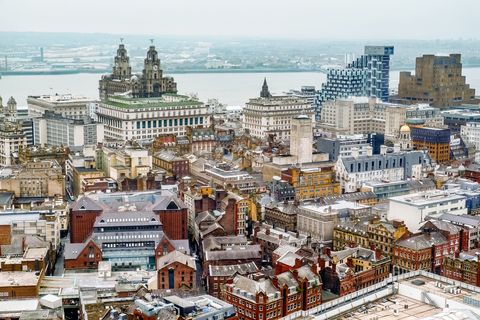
(328, 19)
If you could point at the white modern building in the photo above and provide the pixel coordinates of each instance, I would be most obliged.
(143, 119)
(272, 115)
(69, 106)
(414, 208)
(55, 130)
(470, 133)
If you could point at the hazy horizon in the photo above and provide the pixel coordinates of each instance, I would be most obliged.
(277, 19)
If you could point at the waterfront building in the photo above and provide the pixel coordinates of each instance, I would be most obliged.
(272, 115)
(151, 83)
(438, 81)
(143, 119)
(55, 130)
(365, 76)
(67, 105)
(415, 208)
(435, 140)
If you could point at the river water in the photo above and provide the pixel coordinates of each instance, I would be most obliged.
(231, 88)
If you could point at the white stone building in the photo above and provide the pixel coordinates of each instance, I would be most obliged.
(470, 133)
(273, 114)
(69, 106)
(143, 119)
(55, 130)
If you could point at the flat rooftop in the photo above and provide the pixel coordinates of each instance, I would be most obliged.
(18, 278)
(424, 198)
(385, 309)
(61, 98)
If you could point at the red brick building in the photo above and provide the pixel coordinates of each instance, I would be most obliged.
(176, 270)
(174, 217)
(254, 300)
(284, 294)
(84, 255)
(352, 269)
(219, 276)
(465, 268)
(82, 217)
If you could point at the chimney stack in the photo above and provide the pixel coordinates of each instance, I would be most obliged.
(369, 150)
(355, 152)
(383, 149)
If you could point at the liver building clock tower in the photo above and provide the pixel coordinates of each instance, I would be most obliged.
(152, 74)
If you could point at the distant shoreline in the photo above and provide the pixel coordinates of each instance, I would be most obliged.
(206, 71)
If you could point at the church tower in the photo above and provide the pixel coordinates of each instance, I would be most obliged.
(122, 69)
(265, 93)
(152, 74)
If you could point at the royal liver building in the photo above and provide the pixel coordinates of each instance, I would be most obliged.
(151, 83)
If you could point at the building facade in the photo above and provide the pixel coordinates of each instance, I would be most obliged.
(414, 208)
(365, 76)
(67, 105)
(438, 80)
(55, 130)
(126, 117)
(151, 83)
(435, 140)
(272, 115)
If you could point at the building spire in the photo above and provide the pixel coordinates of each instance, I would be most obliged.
(265, 93)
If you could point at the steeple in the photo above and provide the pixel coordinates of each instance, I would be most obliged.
(265, 93)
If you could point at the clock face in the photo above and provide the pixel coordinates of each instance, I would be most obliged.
(155, 67)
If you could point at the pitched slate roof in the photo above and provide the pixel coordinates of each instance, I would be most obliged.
(229, 271)
(176, 256)
(86, 203)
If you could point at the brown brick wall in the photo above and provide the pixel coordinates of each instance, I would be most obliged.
(175, 223)
(184, 276)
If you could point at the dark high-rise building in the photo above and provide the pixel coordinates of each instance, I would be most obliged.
(151, 83)
(437, 80)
